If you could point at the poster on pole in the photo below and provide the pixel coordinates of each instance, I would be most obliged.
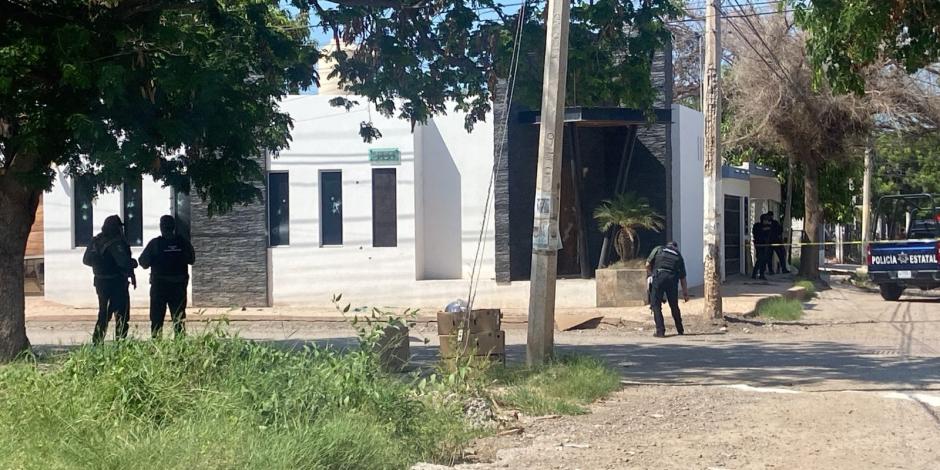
(545, 235)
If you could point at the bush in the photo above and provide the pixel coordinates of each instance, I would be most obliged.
(217, 402)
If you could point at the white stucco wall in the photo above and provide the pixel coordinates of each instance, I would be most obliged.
(67, 280)
(442, 185)
(688, 173)
(327, 138)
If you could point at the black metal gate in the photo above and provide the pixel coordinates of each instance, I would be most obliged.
(732, 235)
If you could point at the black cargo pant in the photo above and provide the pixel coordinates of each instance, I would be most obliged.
(763, 261)
(113, 300)
(165, 295)
(665, 283)
(781, 252)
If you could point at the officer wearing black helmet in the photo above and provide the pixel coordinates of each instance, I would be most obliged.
(667, 268)
(168, 257)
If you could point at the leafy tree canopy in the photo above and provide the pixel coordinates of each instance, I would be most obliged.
(182, 90)
(432, 52)
(847, 36)
(611, 48)
(905, 164)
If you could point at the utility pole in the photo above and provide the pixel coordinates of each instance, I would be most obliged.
(713, 199)
(546, 240)
(866, 196)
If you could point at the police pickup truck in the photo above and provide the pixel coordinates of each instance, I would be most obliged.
(906, 246)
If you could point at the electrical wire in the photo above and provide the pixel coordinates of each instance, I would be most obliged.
(760, 37)
(476, 269)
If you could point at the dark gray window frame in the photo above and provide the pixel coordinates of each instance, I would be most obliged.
(329, 237)
(181, 210)
(134, 222)
(384, 208)
(279, 224)
(82, 231)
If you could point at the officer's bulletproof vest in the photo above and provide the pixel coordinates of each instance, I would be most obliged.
(106, 266)
(170, 258)
(667, 259)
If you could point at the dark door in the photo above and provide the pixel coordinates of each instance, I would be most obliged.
(568, 263)
(331, 208)
(732, 235)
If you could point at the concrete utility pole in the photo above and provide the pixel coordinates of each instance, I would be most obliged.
(866, 196)
(546, 240)
(712, 108)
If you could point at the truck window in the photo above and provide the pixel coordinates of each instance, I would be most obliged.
(906, 217)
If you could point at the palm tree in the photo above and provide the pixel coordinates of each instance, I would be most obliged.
(627, 213)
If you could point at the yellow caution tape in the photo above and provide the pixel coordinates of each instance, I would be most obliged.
(854, 242)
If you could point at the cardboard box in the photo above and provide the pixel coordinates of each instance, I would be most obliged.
(479, 321)
(476, 344)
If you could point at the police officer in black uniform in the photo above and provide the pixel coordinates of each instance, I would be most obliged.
(109, 256)
(169, 256)
(761, 236)
(776, 238)
(666, 266)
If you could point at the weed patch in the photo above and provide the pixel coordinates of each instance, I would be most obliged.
(218, 402)
(563, 387)
(779, 308)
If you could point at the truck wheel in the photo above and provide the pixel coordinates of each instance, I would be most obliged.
(890, 292)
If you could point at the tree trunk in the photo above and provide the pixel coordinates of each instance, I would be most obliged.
(17, 212)
(812, 221)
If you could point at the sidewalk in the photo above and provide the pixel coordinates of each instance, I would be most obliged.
(740, 296)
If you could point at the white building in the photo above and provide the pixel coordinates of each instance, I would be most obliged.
(393, 223)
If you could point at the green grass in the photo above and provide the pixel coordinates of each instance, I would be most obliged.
(215, 402)
(779, 308)
(563, 387)
(808, 285)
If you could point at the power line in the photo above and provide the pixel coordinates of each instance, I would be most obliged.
(752, 4)
(759, 55)
(749, 15)
(773, 55)
(760, 38)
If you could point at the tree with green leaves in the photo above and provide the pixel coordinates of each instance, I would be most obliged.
(611, 47)
(907, 164)
(845, 37)
(187, 91)
(110, 90)
(775, 106)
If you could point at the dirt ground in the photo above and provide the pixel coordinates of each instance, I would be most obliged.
(854, 385)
